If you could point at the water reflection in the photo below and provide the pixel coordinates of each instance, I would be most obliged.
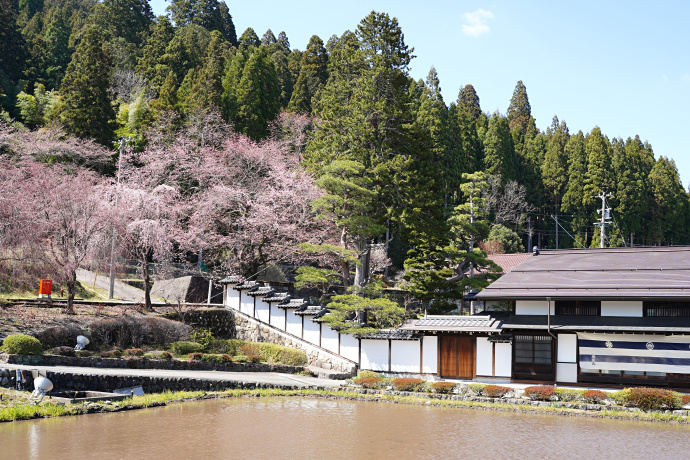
(317, 428)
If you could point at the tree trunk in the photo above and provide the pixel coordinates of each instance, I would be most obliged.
(361, 275)
(147, 284)
(71, 291)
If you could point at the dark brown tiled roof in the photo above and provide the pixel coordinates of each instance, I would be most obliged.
(616, 273)
(232, 279)
(277, 297)
(261, 290)
(392, 334)
(293, 303)
(246, 285)
(453, 323)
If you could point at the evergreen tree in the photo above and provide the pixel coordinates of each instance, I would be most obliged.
(468, 101)
(185, 51)
(499, 157)
(13, 54)
(555, 167)
(365, 117)
(150, 63)
(669, 205)
(268, 38)
(209, 14)
(207, 89)
(632, 163)
(251, 95)
(598, 178)
(248, 39)
(574, 198)
(519, 110)
(58, 52)
(313, 75)
(167, 97)
(85, 108)
(129, 19)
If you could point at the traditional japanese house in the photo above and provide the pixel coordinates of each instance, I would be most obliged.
(616, 316)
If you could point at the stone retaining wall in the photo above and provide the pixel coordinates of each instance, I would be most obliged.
(146, 363)
(218, 320)
(247, 328)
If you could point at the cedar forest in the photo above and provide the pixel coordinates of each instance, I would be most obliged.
(171, 135)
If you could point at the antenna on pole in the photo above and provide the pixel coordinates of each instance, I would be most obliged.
(605, 218)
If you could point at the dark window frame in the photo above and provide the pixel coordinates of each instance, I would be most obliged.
(534, 368)
(665, 309)
(578, 307)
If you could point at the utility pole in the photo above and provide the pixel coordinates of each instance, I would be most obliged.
(111, 288)
(605, 218)
(529, 233)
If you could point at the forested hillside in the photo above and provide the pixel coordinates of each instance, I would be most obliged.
(385, 158)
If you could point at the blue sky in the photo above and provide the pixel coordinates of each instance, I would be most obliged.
(619, 65)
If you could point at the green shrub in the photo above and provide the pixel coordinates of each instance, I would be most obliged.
(158, 355)
(407, 384)
(21, 344)
(195, 356)
(84, 353)
(594, 396)
(202, 336)
(495, 391)
(133, 352)
(620, 397)
(216, 358)
(220, 346)
(568, 394)
(370, 382)
(186, 347)
(653, 399)
(476, 388)
(443, 387)
(273, 353)
(240, 359)
(367, 374)
(62, 351)
(540, 392)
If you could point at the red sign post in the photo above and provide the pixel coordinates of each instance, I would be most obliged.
(45, 288)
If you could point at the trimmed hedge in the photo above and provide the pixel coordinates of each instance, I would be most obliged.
(370, 382)
(443, 387)
(495, 391)
(540, 392)
(476, 388)
(594, 396)
(21, 344)
(653, 399)
(408, 384)
(568, 394)
(367, 374)
(216, 358)
(185, 348)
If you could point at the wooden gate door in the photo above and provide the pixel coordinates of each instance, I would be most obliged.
(457, 357)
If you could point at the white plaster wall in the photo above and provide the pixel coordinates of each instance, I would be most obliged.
(374, 355)
(430, 354)
(504, 359)
(405, 356)
(262, 310)
(621, 308)
(567, 348)
(349, 347)
(485, 357)
(566, 372)
(329, 338)
(232, 299)
(311, 330)
(294, 323)
(533, 307)
(277, 317)
(247, 304)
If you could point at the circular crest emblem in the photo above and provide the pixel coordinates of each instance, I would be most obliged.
(650, 346)
(609, 344)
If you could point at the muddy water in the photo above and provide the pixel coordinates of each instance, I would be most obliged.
(310, 428)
